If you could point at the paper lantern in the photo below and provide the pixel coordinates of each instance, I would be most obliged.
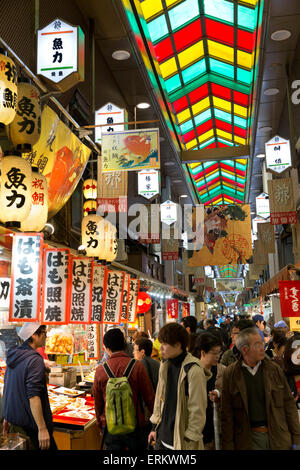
(90, 235)
(143, 302)
(25, 129)
(88, 206)
(90, 189)
(37, 218)
(15, 193)
(8, 89)
(111, 243)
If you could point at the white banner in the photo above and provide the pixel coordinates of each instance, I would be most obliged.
(114, 297)
(81, 292)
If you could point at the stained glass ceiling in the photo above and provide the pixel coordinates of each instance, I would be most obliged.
(205, 54)
(228, 271)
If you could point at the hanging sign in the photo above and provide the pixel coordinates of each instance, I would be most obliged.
(130, 150)
(148, 183)
(278, 154)
(25, 294)
(282, 205)
(294, 324)
(99, 292)
(4, 293)
(93, 341)
(112, 189)
(125, 303)
(133, 298)
(172, 308)
(185, 309)
(114, 297)
(143, 303)
(60, 54)
(170, 247)
(56, 288)
(266, 236)
(109, 114)
(168, 212)
(81, 291)
(152, 233)
(263, 206)
(289, 292)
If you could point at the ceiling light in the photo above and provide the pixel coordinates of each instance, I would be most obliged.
(162, 139)
(184, 195)
(265, 129)
(143, 105)
(177, 181)
(169, 163)
(252, 213)
(121, 55)
(281, 35)
(260, 155)
(271, 91)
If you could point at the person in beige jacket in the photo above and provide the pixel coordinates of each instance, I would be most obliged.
(179, 412)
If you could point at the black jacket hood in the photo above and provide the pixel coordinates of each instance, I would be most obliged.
(19, 354)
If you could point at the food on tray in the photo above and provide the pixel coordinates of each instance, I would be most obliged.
(90, 377)
(68, 391)
(59, 343)
(77, 414)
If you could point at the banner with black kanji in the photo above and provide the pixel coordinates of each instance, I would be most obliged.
(99, 292)
(133, 298)
(81, 290)
(114, 297)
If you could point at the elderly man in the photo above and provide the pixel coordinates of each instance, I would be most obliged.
(257, 409)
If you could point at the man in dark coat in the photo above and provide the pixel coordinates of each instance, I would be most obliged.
(26, 402)
(258, 411)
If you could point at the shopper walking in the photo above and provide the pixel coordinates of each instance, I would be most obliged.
(180, 402)
(141, 387)
(258, 411)
(26, 403)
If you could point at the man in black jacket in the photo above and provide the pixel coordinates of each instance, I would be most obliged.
(26, 402)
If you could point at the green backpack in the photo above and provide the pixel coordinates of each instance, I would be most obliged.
(119, 408)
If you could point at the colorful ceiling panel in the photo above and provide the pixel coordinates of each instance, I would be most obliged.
(205, 53)
(228, 271)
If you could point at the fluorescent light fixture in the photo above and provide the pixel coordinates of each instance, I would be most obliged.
(281, 35)
(260, 155)
(184, 195)
(143, 105)
(271, 91)
(121, 55)
(169, 164)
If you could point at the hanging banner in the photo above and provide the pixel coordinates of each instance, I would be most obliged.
(56, 288)
(130, 150)
(282, 203)
(26, 273)
(61, 157)
(148, 183)
(185, 309)
(125, 302)
(114, 297)
(263, 206)
(168, 212)
(111, 115)
(152, 235)
(278, 155)
(112, 189)
(227, 237)
(260, 256)
(254, 271)
(4, 292)
(289, 292)
(81, 291)
(93, 341)
(170, 247)
(99, 292)
(266, 236)
(172, 308)
(133, 299)
(229, 285)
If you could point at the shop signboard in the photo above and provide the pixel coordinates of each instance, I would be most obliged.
(185, 309)
(133, 299)
(60, 54)
(152, 233)
(229, 285)
(294, 324)
(130, 150)
(99, 292)
(4, 293)
(148, 183)
(55, 298)
(289, 292)
(108, 116)
(278, 155)
(172, 308)
(263, 206)
(125, 302)
(282, 205)
(170, 248)
(114, 297)
(93, 341)
(26, 267)
(112, 189)
(81, 290)
(168, 212)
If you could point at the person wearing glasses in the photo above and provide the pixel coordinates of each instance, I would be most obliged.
(208, 349)
(258, 411)
(26, 402)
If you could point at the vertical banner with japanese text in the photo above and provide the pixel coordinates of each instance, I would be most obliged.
(125, 303)
(289, 292)
(114, 297)
(56, 288)
(93, 341)
(81, 290)
(99, 292)
(185, 309)
(26, 272)
(133, 298)
(172, 308)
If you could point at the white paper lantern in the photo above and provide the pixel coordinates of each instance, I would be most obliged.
(15, 193)
(37, 218)
(90, 235)
(8, 89)
(90, 189)
(25, 129)
(88, 206)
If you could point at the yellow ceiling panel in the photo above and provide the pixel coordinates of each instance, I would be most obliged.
(222, 104)
(245, 60)
(224, 134)
(184, 115)
(168, 67)
(240, 111)
(191, 144)
(191, 54)
(239, 140)
(198, 107)
(151, 8)
(216, 49)
(206, 135)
